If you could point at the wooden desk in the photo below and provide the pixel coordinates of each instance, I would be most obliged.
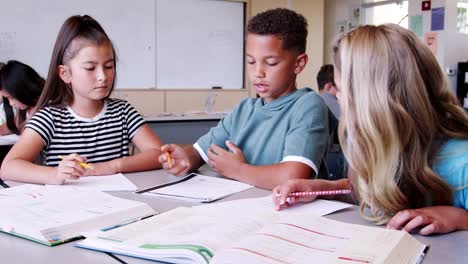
(449, 248)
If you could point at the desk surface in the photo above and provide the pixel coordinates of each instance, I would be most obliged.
(8, 140)
(449, 248)
(174, 117)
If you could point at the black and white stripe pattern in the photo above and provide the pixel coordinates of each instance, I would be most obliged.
(102, 138)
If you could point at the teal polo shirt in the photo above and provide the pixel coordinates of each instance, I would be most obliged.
(293, 127)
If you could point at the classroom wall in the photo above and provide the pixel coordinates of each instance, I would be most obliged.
(152, 102)
(456, 44)
(313, 10)
(336, 12)
(452, 46)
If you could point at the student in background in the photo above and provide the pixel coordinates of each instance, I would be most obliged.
(281, 135)
(327, 89)
(403, 133)
(76, 120)
(20, 87)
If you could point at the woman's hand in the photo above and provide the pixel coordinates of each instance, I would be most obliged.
(430, 220)
(281, 193)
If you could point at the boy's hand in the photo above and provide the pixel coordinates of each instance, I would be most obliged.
(224, 162)
(281, 193)
(68, 169)
(430, 220)
(174, 159)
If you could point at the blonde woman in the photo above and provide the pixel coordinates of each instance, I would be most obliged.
(403, 133)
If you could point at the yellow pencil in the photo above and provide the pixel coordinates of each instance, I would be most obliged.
(169, 159)
(82, 164)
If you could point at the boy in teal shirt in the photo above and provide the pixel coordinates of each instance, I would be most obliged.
(281, 135)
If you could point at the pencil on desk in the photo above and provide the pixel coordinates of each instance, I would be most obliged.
(82, 164)
(169, 159)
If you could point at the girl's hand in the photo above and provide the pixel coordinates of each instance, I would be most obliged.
(281, 193)
(68, 169)
(429, 220)
(224, 162)
(174, 159)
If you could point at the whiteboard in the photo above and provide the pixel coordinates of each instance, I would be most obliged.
(169, 44)
(28, 29)
(200, 44)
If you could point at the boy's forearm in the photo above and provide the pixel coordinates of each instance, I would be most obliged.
(195, 160)
(270, 176)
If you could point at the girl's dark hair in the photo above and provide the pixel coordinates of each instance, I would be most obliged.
(81, 28)
(25, 85)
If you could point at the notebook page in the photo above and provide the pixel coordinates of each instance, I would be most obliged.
(302, 239)
(201, 188)
(165, 237)
(185, 226)
(32, 209)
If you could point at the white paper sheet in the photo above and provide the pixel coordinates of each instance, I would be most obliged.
(115, 182)
(201, 189)
(253, 205)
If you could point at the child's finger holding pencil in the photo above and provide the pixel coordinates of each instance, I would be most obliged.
(78, 159)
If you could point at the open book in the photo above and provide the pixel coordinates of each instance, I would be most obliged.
(52, 215)
(212, 235)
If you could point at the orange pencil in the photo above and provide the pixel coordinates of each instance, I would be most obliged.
(82, 164)
(169, 159)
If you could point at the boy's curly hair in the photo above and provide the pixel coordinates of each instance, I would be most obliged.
(286, 24)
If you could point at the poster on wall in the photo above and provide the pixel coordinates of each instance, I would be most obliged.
(416, 25)
(341, 27)
(430, 38)
(437, 18)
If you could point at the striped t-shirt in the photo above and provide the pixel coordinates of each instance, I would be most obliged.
(102, 138)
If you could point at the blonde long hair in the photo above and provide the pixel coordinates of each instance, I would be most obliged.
(396, 112)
